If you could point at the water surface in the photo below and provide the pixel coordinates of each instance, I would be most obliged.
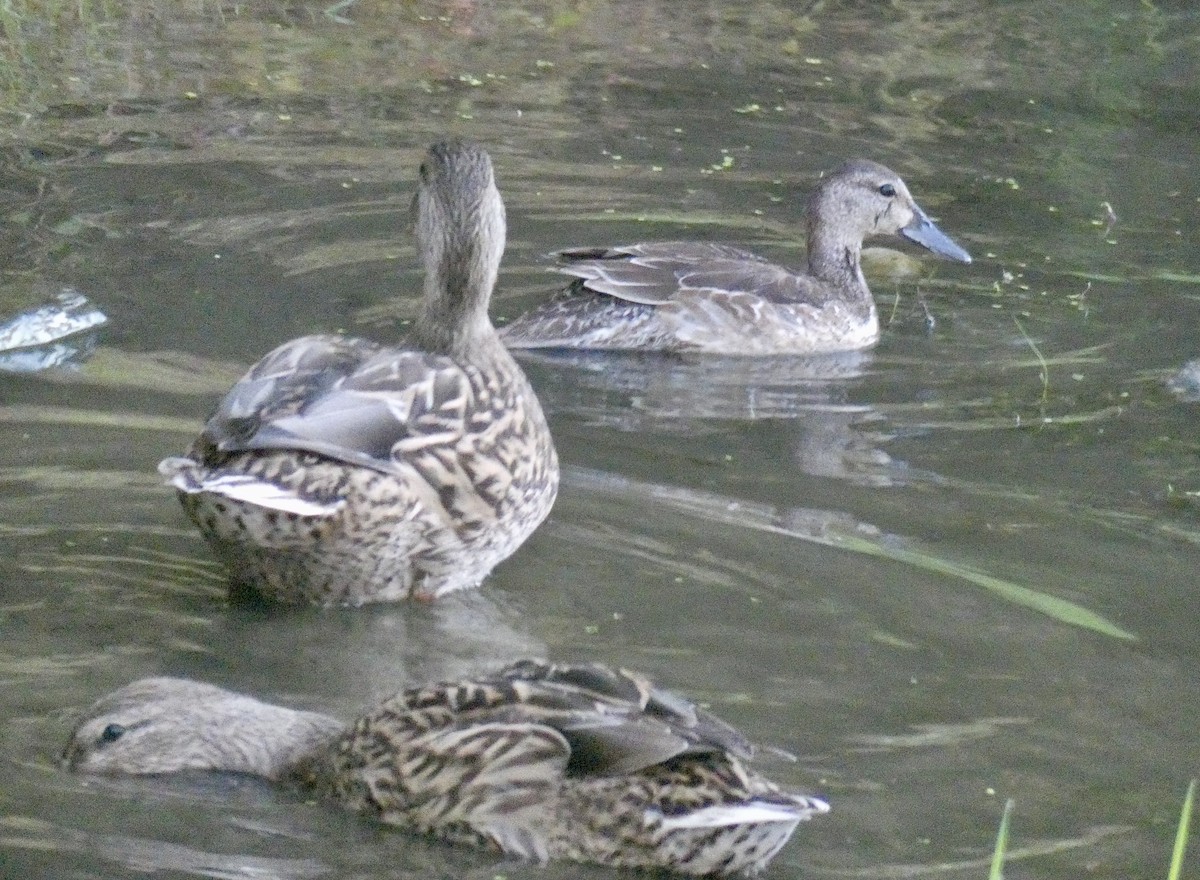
(954, 570)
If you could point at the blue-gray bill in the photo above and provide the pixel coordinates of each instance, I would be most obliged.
(925, 232)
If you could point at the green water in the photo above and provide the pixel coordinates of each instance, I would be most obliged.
(959, 569)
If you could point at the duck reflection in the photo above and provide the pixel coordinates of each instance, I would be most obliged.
(830, 435)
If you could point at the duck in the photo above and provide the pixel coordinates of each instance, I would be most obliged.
(539, 760)
(338, 471)
(688, 296)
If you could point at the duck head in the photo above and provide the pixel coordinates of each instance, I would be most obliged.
(460, 229)
(862, 199)
(169, 725)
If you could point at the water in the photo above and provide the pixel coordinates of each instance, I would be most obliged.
(805, 545)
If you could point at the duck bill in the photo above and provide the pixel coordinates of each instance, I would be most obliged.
(924, 232)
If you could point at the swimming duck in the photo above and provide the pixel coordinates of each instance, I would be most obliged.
(696, 296)
(541, 761)
(339, 471)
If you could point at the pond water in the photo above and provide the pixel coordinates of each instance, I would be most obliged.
(958, 569)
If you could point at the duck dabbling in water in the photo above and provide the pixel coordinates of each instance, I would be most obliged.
(696, 296)
(578, 762)
(339, 471)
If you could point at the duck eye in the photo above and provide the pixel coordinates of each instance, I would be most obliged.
(887, 190)
(112, 733)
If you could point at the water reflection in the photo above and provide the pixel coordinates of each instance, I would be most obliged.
(1184, 383)
(364, 656)
(830, 435)
(658, 392)
(108, 850)
(61, 333)
(1027, 437)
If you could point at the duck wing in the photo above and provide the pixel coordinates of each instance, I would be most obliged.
(614, 721)
(650, 274)
(344, 398)
(479, 759)
(660, 273)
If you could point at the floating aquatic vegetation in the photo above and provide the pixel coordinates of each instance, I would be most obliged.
(62, 415)
(834, 529)
(171, 372)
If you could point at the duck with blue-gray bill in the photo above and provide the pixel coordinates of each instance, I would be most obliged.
(341, 471)
(698, 296)
(539, 760)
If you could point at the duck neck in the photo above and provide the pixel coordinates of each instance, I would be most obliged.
(268, 744)
(454, 319)
(836, 260)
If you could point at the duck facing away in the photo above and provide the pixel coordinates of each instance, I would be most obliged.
(339, 471)
(539, 761)
(696, 296)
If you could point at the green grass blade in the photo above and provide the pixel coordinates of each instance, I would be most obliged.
(832, 529)
(1052, 606)
(44, 414)
(1181, 834)
(997, 871)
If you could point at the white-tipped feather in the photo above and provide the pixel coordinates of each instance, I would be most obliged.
(341, 471)
(753, 813)
(248, 490)
(486, 760)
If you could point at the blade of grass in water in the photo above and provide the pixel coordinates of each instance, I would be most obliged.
(997, 870)
(1061, 609)
(61, 415)
(838, 531)
(159, 371)
(1181, 834)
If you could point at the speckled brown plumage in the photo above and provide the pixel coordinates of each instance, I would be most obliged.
(579, 762)
(339, 471)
